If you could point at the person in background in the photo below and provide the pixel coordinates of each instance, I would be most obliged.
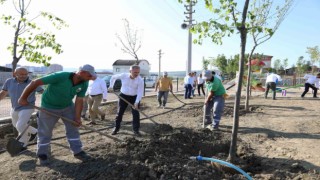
(132, 91)
(85, 108)
(311, 82)
(200, 85)
(271, 84)
(188, 82)
(57, 98)
(195, 82)
(97, 91)
(215, 100)
(20, 115)
(165, 85)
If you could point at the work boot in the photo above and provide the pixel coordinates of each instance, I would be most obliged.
(83, 156)
(115, 131)
(44, 160)
(137, 133)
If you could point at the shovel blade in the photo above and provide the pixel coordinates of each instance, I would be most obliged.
(14, 147)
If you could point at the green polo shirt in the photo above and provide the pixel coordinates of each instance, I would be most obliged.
(216, 86)
(61, 90)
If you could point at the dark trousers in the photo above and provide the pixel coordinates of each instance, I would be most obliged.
(271, 85)
(306, 89)
(200, 86)
(188, 89)
(122, 106)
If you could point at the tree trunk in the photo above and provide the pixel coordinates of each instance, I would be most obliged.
(248, 88)
(243, 35)
(14, 63)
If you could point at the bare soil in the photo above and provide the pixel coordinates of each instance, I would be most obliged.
(278, 139)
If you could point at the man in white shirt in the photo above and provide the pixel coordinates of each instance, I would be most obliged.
(188, 82)
(97, 91)
(313, 83)
(132, 91)
(200, 85)
(271, 83)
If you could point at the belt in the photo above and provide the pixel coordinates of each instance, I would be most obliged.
(95, 95)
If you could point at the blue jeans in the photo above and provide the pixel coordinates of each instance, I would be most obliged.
(163, 94)
(188, 89)
(214, 109)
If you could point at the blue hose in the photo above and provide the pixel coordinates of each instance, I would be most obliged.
(200, 158)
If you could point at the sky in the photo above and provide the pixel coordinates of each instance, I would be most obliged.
(90, 37)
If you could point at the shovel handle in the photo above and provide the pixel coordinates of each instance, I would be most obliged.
(74, 123)
(132, 106)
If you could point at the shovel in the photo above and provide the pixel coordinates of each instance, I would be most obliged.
(14, 146)
(74, 123)
(132, 106)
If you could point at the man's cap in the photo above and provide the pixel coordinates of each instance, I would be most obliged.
(88, 68)
(207, 74)
(165, 73)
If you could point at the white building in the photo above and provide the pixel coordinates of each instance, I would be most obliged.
(123, 66)
(54, 68)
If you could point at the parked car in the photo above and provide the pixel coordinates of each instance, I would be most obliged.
(117, 84)
(149, 83)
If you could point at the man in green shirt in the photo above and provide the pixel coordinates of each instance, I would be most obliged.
(215, 100)
(58, 99)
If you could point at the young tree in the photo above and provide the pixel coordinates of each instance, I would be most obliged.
(30, 41)
(227, 20)
(314, 55)
(130, 41)
(267, 17)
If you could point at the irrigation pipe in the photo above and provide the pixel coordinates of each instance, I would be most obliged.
(200, 158)
(177, 98)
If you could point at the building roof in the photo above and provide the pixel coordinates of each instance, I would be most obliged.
(5, 69)
(121, 62)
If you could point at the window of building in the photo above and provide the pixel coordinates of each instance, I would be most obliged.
(117, 69)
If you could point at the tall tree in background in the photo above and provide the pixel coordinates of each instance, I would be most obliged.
(233, 66)
(130, 41)
(314, 54)
(268, 17)
(277, 65)
(30, 41)
(299, 65)
(205, 63)
(285, 64)
(220, 62)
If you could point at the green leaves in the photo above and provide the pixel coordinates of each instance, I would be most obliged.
(30, 41)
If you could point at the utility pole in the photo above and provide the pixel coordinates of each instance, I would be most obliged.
(159, 73)
(189, 20)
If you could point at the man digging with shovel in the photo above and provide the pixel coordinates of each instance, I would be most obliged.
(58, 99)
(215, 99)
